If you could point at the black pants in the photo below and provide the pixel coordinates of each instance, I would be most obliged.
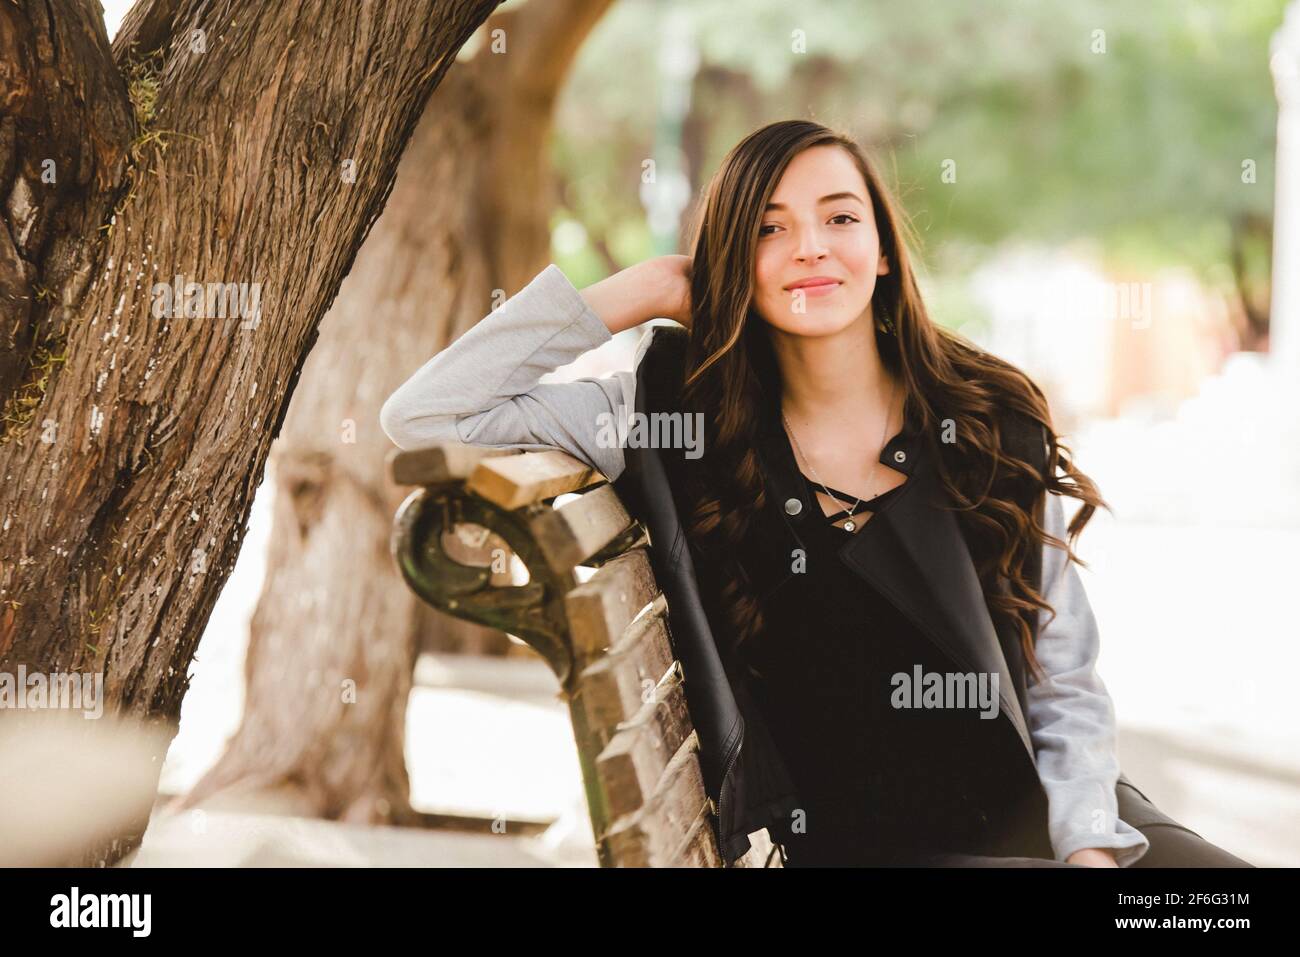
(1172, 845)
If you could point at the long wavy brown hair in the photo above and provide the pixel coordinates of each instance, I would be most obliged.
(731, 371)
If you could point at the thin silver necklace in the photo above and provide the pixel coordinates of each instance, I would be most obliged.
(849, 524)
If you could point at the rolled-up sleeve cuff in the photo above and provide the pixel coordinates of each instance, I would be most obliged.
(1128, 843)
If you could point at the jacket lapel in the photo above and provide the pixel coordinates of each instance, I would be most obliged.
(912, 551)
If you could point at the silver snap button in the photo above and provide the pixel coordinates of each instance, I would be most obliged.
(793, 506)
(900, 456)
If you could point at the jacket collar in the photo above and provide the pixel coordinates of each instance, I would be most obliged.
(784, 480)
(912, 551)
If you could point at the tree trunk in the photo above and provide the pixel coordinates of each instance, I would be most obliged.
(1250, 252)
(467, 225)
(256, 147)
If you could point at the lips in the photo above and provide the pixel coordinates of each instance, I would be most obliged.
(813, 282)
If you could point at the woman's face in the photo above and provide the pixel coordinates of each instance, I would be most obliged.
(818, 225)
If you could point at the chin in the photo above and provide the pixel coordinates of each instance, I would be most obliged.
(813, 324)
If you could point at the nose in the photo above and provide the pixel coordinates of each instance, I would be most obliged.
(808, 246)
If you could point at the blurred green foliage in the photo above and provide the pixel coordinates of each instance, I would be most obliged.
(1138, 149)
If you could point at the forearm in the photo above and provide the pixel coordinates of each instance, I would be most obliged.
(1072, 719)
(544, 326)
(627, 298)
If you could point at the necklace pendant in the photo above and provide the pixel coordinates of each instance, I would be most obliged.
(849, 525)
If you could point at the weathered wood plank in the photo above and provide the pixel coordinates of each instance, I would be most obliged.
(701, 846)
(440, 463)
(762, 852)
(614, 687)
(575, 531)
(517, 480)
(602, 607)
(632, 763)
(675, 826)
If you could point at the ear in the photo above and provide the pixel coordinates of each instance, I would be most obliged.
(883, 267)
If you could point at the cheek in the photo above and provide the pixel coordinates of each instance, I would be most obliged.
(859, 254)
(763, 268)
(767, 285)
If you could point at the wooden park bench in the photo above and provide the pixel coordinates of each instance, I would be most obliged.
(606, 637)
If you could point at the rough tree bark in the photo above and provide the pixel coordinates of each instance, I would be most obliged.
(132, 444)
(467, 224)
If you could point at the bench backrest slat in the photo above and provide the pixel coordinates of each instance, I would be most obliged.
(513, 481)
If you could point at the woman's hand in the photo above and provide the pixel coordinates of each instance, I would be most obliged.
(672, 275)
(1093, 857)
(658, 287)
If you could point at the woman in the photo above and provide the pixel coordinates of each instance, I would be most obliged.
(810, 354)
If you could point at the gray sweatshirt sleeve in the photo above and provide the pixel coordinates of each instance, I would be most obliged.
(1071, 717)
(484, 388)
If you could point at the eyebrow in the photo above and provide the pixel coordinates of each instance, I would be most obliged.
(825, 199)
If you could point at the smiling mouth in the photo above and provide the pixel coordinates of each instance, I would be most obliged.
(815, 286)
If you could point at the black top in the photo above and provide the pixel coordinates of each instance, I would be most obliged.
(877, 781)
(862, 506)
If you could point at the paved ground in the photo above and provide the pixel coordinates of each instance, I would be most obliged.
(217, 839)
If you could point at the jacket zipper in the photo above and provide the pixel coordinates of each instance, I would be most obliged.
(722, 793)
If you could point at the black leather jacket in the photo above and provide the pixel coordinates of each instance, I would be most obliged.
(914, 554)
